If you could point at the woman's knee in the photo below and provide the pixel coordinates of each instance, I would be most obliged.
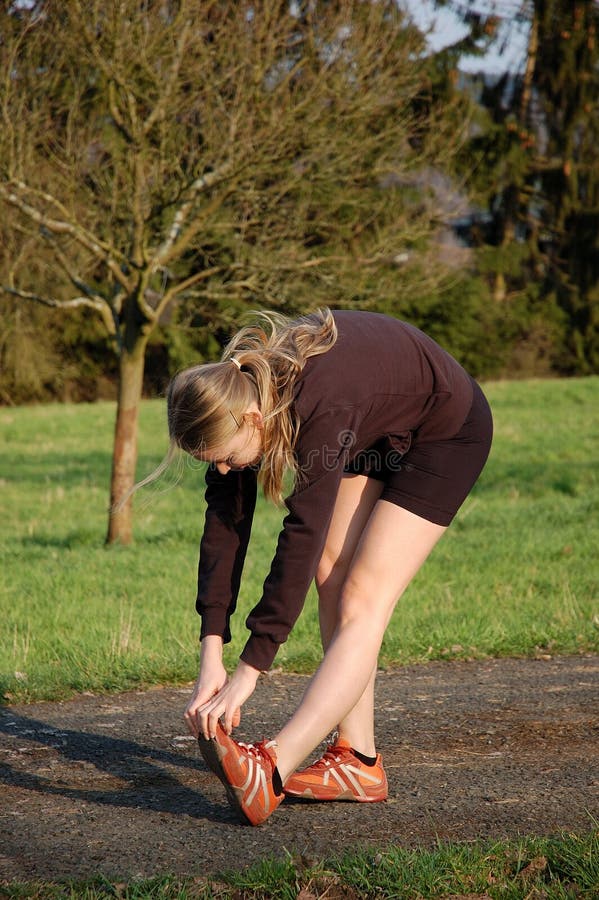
(365, 602)
(330, 575)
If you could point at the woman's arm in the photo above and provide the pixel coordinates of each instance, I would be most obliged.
(230, 503)
(298, 551)
(321, 453)
(211, 679)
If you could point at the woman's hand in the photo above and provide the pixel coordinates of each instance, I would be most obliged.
(212, 678)
(228, 701)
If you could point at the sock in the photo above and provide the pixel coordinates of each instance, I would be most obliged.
(277, 784)
(367, 760)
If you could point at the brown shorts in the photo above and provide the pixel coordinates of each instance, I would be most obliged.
(433, 478)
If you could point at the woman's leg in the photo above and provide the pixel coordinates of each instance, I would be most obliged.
(355, 502)
(393, 546)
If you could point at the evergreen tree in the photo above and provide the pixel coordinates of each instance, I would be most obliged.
(535, 164)
(563, 113)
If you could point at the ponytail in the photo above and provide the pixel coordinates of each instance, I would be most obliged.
(206, 403)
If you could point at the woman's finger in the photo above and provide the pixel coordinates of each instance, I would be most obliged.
(199, 700)
(208, 716)
(232, 719)
(196, 713)
(213, 717)
(191, 720)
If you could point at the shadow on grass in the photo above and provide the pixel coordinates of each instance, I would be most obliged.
(145, 781)
(94, 540)
(70, 541)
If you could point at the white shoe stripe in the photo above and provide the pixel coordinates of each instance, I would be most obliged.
(346, 784)
(348, 772)
(248, 780)
(362, 773)
(259, 782)
(338, 778)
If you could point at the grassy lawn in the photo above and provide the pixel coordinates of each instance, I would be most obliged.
(516, 574)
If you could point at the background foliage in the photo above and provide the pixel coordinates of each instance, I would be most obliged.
(464, 204)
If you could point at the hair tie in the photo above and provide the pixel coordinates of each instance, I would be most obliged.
(235, 362)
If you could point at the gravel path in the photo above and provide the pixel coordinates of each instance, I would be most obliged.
(113, 785)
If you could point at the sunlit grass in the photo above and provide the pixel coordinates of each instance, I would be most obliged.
(556, 868)
(516, 574)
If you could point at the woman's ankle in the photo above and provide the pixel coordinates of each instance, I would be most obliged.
(364, 744)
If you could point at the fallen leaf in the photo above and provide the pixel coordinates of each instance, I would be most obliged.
(535, 866)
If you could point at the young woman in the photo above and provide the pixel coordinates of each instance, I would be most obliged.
(385, 435)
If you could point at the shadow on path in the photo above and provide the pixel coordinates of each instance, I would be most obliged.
(111, 785)
(144, 776)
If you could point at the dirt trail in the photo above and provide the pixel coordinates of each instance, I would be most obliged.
(112, 784)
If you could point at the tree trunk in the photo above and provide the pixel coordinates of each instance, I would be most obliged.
(124, 457)
(499, 288)
(531, 61)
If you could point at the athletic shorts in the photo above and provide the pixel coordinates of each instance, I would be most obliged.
(433, 478)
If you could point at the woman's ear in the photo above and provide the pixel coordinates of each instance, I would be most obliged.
(255, 418)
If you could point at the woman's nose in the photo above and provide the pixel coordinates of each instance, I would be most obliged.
(223, 468)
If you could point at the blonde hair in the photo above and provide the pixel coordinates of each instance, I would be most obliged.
(207, 403)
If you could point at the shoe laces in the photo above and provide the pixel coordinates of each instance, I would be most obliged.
(331, 755)
(258, 750)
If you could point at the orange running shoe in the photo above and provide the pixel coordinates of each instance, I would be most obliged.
(246, 771)
(339, 775)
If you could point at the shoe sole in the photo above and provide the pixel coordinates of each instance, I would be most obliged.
(347, 797)
(209, 750)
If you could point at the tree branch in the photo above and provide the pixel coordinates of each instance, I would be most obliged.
(116, 113)
(75, 279)
(76, 302)
(323, 260)
(185, 285)
(100, 249)
(138, 211)
(171, 81)
(94, 47)
(49, 198)
(165, 251)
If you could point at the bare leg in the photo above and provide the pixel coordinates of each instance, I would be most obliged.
(393, 546)
(355, 501)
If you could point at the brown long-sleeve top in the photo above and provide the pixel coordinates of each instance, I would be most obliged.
(382, 380)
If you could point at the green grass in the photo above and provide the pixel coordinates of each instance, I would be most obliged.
(516, 574)
(565, 866)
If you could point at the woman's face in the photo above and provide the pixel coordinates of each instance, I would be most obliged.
(245, 447)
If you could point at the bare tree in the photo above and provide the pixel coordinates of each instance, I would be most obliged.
(221, 153)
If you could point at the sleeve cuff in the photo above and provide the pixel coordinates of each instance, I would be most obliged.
(259, 652)
(215, 620)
